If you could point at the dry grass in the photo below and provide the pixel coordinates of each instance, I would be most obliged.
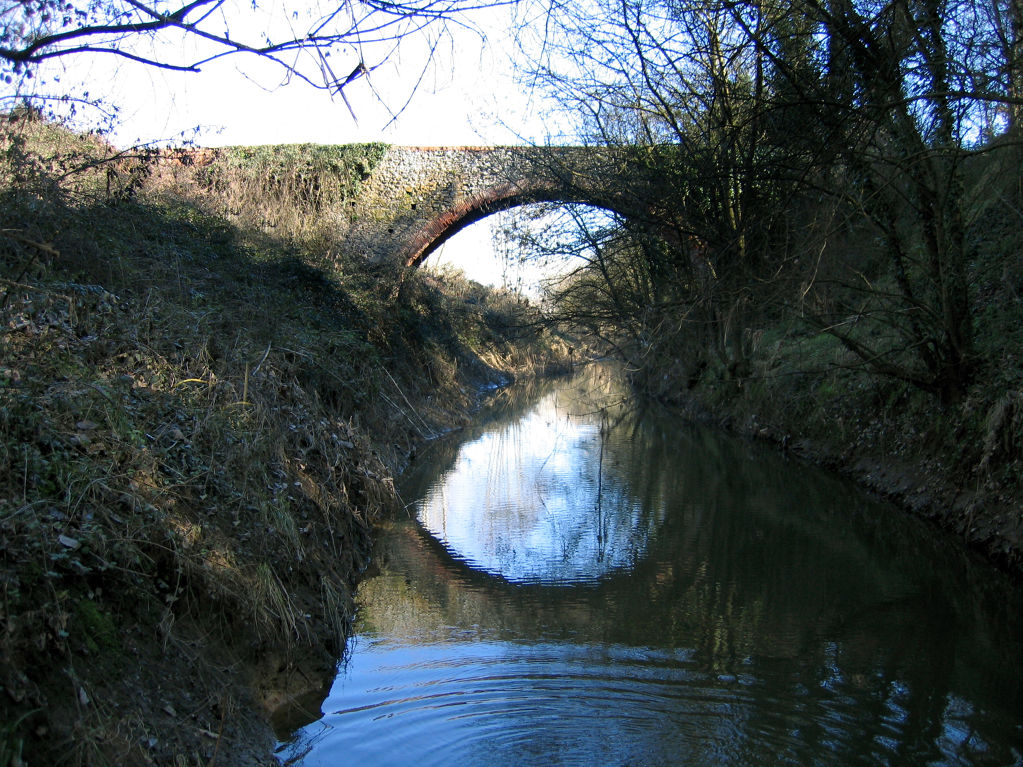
(297, 193)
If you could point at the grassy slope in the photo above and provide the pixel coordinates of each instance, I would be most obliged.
(199, 421)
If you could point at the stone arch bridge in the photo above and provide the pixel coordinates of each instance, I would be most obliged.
(415, 198)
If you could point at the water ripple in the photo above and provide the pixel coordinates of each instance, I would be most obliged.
(498, 703)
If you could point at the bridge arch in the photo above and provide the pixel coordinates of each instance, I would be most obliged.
(476, 208)
(416, 198)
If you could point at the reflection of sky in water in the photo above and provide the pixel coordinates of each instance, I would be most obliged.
(535, 501)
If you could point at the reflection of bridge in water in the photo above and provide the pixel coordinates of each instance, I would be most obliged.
(534, 501)
(708, 525)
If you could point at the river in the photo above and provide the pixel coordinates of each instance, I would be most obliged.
(576, 582)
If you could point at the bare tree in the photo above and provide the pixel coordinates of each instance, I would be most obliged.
(758, 116)
(681, 80)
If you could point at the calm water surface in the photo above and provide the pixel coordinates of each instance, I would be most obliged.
(576, 583)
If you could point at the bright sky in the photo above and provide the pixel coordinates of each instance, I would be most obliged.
(468, 96)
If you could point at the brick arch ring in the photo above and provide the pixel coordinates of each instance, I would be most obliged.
(482, 204)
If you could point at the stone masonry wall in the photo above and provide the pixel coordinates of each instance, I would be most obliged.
(417, 197)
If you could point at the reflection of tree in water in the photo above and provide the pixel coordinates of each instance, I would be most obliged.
(841, 665)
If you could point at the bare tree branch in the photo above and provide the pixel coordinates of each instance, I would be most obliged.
(35, 32)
